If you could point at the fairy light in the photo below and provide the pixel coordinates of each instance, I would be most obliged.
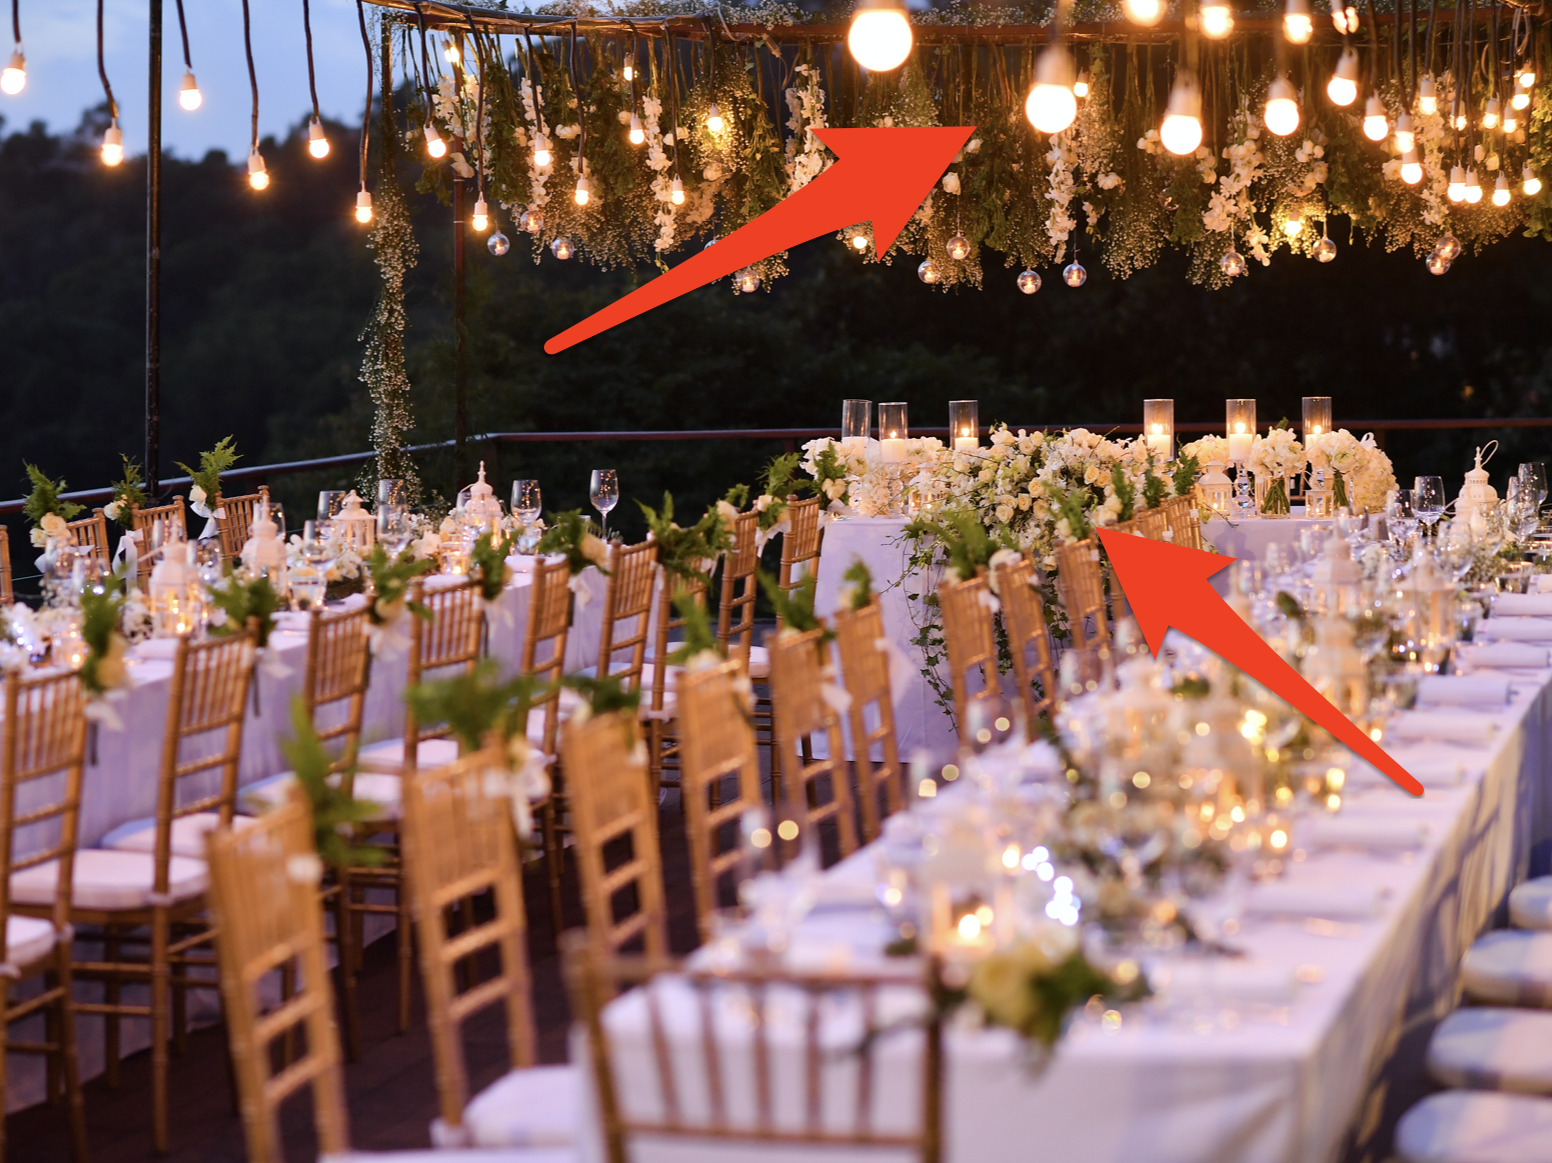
(1501, 190)
(1529, 182)
(1411, 168)
(1456, 191)
(637, 133)
(1406, 135)
(1282, 107)
(1342, 88)
(880, 36)
(1298, 24)
(714, 120)
(1427, 96)
(1181, 131)
(1052, 105)
(1376, 125)
(1215, 18)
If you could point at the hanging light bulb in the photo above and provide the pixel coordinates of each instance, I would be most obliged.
(450, 51)
(1294, 225)
(1411, 168)
(1491, 114)
(928, 272)
(435, 146)
(1029, 282)
(1181, 131)
(189, 95)
(628, 73)
(1458, 114)
(676, 192)
(258, 176)
(880, 35)
(1344, 20)
(1527, 76)
(14, 79)
(1081, 87)
(1051, 105)
(113, 145)
(1325, 249)
(859, 242)
(1473, 188)
(1298, 24)
(1427, 96)
(561, 248)
(637, 133)
(714, 120)
(1144, 12)
(584, 192)
(747, 281)
(1521, 98)
(1501, 190)
(1436, 263)
(1406, 136)
(1232, 263)
(317, 143)
(1448, 247)
(958, 248)
(1074, 275)
(1215, 18)
(542, 154)
(498, 244)
(1530, 183)
(1456, 191)
(1375, 124)
(1510, 121)
(480, 219)
(1342, 88)
(363, 207)
(1282, 107)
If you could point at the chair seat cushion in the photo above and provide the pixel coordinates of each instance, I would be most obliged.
(1530, 904)
(389, 755)
(1494, 1049)
(376, 787)
(386, 791)
(188, 834)
(111, 881)
(1476, 1126)
(1511, 967)
(759, 662)
(537, 1107)
(27, 939)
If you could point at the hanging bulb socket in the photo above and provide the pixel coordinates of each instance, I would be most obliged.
(1051, 105)
(676, 192)
(363, 207)
(1181, 131)
(1501, 190)
(1411, 167)
(435, 146)
(1456, 191)
(1492, 114)
(1342, 88)
(113, 145)
(714, 120)
(1473, 188)
(480, 219)
(637, 134)
(1215, 19)
(1427, 96)
(584, 193)
(1282, 107)
(542, 153)
(317, 143)
(1529, 182)
(1298, 23)
(1406, 136)
(14, 79)
(189, 95)
(1376, 125)
(258, 176)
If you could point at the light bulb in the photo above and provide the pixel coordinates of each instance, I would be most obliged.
(1144, 12)
(1029, 282)
(1343, 86)
(859, 241)
(1510, 122)
(451, 52)
(584, 192)
(637, 133)
(1521, 98)
(435, 146)
(1457, 187)
(1531, 184)
(1181, 131)
(1437, 264)
(561, 248)
(1233, 263)
(1294, 224)
(1491, 114)
(542, 154)
(1375, 124)
(363, 207)
(113, 145)
(480, 219)
(1411, 168)
(1427, 96)
(1051, 105)
(714, 120)
(628, 73)
(880, 36)
(1406, 136)
(1458, 115)
(1473, 188)
(1298, 25)
(189, 95)
(1501, 190)
(1216, 19)
(676, 192)
(747, 281)
(1526, 77)
(14, 79)
(317, 143)
(498, 244)
(258, 176)
(1448, 246)
(928, 272)
(1344, 20)
(1325, 249)
(1080, 87)
(1282, 107)
(1074, 275)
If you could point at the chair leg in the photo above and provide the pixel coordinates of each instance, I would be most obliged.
(406, 945)
(159, 1022)
(552, 859)
(110, 997)
(350, 1014)
(51, 1035)
(69, 1062)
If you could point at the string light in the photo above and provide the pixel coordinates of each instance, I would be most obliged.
(112, 138)
(1458, 114)
(637, 133)
(1342, 88)
(1501, 190)
(112, 145)
(628, 72)
(435, 146)
(1473, 188)
(1406, 136)
(258, 176)
(317, 143)
(1376, 125)
(1491, 114)
(1298, 25)
(1029, 282)
(1411, 168)
(450, 51)
(542, 155)
(584, 192)
(14, 79)
(1144, 12)
(1282, 107)
(363, 196)
(714, 120)
(1521, 98)
(1215, 18)
(480, 219)
(363, 207)
(1456, 191)
(880, 36)
(1181, 131)
(1080, 87)
(1294, 225)
(1051, 105)
(1344, 20)
(189, 95)
(1527, 76)
(859, 241)
(1510, 121)
(1530, 183)
(676, 192)
(1427, 96)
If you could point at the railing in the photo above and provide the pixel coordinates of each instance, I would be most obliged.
(790, 438)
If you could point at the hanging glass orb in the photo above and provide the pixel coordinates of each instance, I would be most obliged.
(747, 281)
(928, 272)
(959, 248)
(1325, 250)
(498, 244)
(561, 248)
(709, 244)
(1233, 263)
(1437, 263)
(532, 221)
(1029, 282)
(1448, 247)
(1074, 275)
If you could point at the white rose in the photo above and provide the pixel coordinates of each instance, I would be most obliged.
(763, 502)
(1004, 514)
(54, 525)
(951, 183)
(111, 510)
(197, 495)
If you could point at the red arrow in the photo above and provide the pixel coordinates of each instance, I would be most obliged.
(1166, 585)
(882, 175)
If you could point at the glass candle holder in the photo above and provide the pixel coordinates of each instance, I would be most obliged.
(964, 424)
(1240, 428)
(1158, 428)
(1317, 417)
(856, 419)
(893, 432)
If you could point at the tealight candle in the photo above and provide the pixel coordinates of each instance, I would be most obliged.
(892, 432)
(1317, 417)
(1241, 425)
(1158, 427)
(964, 424)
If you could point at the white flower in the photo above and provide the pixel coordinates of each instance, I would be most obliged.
(728, 512)
(54, 525)
(197, 495)
(951, 183)
(763, 502)
(111, 510)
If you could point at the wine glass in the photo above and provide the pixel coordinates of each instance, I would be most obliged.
(309, 578)
(1428, 500)
(277, 514)
(330, 502)
(604, 492)
(394, 529)
(527, 504)
(207, 560)
(390, 492)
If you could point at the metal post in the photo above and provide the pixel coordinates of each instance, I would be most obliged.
(153, 363)
(460, 351)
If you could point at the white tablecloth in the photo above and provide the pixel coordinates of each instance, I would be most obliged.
(1249, 539)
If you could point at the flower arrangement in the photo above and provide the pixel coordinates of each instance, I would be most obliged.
(46, 508)
(1274, 458)
(690, 553)
(488, 564)
(207, 478)
(104, 669)
(238, 599)
(391, 585)
(571, 534)
(835, 465)
(128, 494)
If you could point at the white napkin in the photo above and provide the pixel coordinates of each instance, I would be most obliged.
(1454, 691)
(1515, 629)
(1537, 605)
(1430, 770)
(1505, 654)
(1442, 727)
(1332, 901)
(1224, 979)
(1362, 832)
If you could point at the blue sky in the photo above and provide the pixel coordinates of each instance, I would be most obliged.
(61, 42)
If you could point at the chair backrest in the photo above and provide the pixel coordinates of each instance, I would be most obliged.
(1082, 586)
(627, 612)
(267, 911)
(970, 634)
(718, 1089)
(451, 636)
(1152, 523)
(42, 750)
(458, 843)
(719, 777)
(800, 545)
(1185, 521)
(92, 531)
(800, 710)
(611, 798)
(859, 639)
(206, 706)
(735, 610)
(338, 669)
(544, 643)
(234, 520)
(1023, 617)
(144, 521)
(7, 589)
(667, 621)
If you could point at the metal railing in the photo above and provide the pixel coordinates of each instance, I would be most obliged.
(789, 437)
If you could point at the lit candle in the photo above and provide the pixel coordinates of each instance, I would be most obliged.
(1158, 428)
(1241, 428)
(1239, 444)
(964, 424)
(892, 448)
(892, 432)
(1158, 442)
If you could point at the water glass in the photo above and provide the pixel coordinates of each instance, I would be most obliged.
(207, 560)
(527, 501)
(1428, 500)
(394, 528)
(1533, 475)
(330, 502)
(392, 492)
(604, 492)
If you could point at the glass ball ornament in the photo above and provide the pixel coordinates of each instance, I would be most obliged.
(747, 281)
(498, 244)
(1437, 264)
(532, 221)
(1029, 282)
(562, 249)
(928, 272)
(1325, 250)
(1448, 247)
(1233, 263)
(1074, 275)
(959, 248)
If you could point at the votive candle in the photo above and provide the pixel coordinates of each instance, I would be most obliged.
(964, 424)
(1158, 427)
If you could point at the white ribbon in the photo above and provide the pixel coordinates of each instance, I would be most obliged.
(211, 529)
(100, 710)
(836, 698)
(270, 663)
(391, 639)
(495, 611)
(578, 587)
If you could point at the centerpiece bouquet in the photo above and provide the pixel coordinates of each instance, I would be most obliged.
(1274, 458)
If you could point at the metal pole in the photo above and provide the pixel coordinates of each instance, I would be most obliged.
(153, 365)
(460, 350)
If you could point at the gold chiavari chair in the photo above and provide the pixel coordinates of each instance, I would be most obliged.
(659, 708)
(459, 844)
(1185, 522)
(42, 750)
(865, 671)
(1152, 523)
(798, 679)
(800, 544)
(611, 800)
(1023, 617)
(715, 1091)
(174, 522)
(544, 660)
(237, 524)
(1082, 587)
(7, 590)
(627, 613)
(264, 899)
(719, 750)
(971, 637)
(735, 610)
(92, 532)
